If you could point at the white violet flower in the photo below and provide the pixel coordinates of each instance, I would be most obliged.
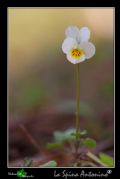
(76, 44)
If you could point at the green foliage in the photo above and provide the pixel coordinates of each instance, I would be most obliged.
(95, 158)
(54, 145)
(51, 163)
(90, 143)
(59, 136)
(103, 159)
(64, 136)
(108, 160)
(83, 132)
(68, 135)
(76, 134)
(79, 134)
(71, 136)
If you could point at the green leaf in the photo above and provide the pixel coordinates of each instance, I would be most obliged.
(84, 132)
(88, 142)
(51, 163)
(54, 145)
(68, 135)
(64, 136)
(78, 134)
(59, 136)
(106, 159)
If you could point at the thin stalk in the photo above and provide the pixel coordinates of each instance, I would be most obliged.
(77, 103)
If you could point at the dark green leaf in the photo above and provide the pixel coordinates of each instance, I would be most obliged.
(106, 159)
(88, 142)
(76, 134)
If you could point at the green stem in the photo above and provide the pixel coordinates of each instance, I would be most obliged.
(77, 95)
(78, 102)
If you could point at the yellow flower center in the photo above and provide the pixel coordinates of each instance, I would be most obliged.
(77, 53)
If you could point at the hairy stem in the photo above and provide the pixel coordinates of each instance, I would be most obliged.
(77, 103)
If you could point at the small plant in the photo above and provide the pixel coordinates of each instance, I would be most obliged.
(78, 48)
(65, 141)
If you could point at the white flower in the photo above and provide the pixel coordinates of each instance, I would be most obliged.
(76, 44)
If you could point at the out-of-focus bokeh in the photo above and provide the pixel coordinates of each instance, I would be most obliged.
(42, 89)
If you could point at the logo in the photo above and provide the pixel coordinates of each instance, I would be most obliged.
(21, 173)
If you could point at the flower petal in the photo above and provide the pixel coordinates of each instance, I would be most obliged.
(68, 44)
(84, 34)
(72, 31)
(88, 48)
(73, 60)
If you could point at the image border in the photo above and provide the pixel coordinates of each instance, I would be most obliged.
(8, 82)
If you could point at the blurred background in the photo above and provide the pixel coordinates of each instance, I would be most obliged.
(41, 82)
